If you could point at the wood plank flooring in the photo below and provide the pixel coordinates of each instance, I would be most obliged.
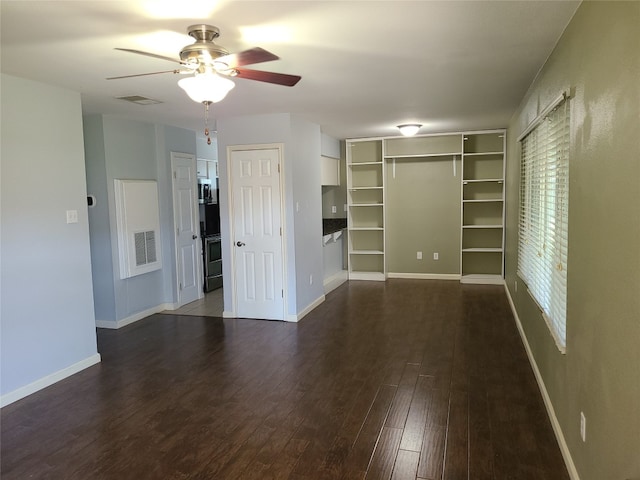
(403, 379)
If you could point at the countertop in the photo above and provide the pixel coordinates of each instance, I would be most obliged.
(331, 225)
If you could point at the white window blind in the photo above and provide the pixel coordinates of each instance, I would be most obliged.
(544, 202)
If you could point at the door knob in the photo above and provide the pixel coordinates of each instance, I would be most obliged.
(193, 237)
(240, 244)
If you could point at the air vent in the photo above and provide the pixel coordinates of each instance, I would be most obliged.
(145, 247)
(139, 100)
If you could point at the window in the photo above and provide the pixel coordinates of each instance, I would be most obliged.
(544, 201)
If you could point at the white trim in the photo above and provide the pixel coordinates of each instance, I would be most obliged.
(335, 280)
(425, 276)
(228, 314)
(541, 116)
(111, 324)
(557, 429)
(311, 306)
(45, 381)
(369, 276)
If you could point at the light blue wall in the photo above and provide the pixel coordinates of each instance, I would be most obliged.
(303, 229)
(99, 225)
(204, 150)
(307, 192)
(47, 318)
(329, 146)
(253, 130)
(170, 139)
(118, 148)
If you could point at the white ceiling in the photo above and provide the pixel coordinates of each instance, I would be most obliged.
(366, 66)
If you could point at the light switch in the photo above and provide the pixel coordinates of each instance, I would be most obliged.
(334, 209)
(72, 216)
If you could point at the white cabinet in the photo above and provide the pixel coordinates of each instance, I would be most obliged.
(201, 168)
(207, 168)
(365, 200)
(482, 218)
(329, 171)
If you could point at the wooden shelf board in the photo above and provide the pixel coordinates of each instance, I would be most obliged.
(493, 200)
(366, 252)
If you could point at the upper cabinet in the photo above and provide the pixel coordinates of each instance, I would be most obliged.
(207, 168)
(329, 171)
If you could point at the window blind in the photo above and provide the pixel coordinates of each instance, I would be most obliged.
(544, 202)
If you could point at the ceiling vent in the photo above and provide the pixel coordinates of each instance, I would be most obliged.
(139, 99)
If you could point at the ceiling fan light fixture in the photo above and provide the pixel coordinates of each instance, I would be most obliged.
(206, 87)
(409, 129)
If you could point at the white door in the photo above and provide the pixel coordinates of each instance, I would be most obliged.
(186, 226)
(257, 235)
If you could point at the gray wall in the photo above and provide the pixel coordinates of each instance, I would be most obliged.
(599, 57)
(301, 168)
(47, 317)
(423, 214)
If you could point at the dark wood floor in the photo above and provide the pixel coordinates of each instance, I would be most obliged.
(398, 380)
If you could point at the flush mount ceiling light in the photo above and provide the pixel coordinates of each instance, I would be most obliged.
(409, 129)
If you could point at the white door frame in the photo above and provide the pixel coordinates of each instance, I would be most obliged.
(263, 146)
(199, 265)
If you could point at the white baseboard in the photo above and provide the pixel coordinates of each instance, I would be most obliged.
(564, 448)
(44, 382)
(426, 276)
(228, 314)
(115, 324)
(335, 280)
(299, 316)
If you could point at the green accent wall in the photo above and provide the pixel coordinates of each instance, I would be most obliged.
(598, 57)
(423, 215)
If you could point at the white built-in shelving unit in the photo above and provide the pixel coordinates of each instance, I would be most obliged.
(365, 202)
(482, 215)
(481, 204)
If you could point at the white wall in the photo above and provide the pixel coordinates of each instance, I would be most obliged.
(47, 316)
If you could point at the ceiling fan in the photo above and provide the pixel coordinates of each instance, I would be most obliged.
(212, 65)
(205, 57)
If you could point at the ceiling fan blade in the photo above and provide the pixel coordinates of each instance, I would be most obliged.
(152, 55)
(268, 77)
(248, 57)
(143, 74)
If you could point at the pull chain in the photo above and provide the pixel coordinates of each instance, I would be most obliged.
(206, 121)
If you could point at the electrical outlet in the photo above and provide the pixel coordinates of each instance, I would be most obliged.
(583, 427)
(310, 279)
(435, 256)
(419, 255)
(334, 209)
